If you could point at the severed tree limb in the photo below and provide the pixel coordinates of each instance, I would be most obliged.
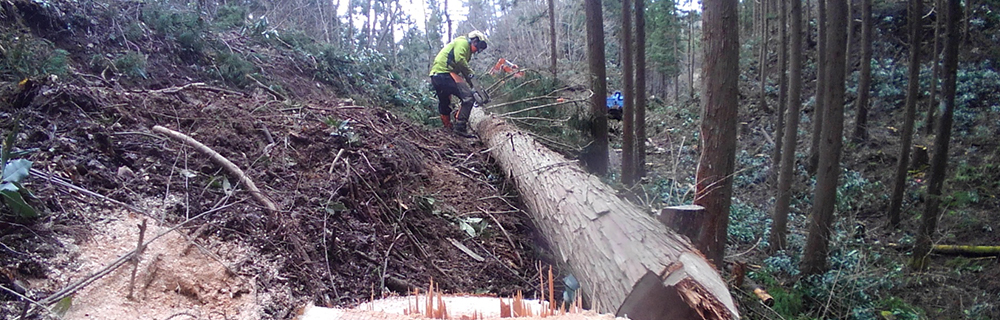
(225, 163)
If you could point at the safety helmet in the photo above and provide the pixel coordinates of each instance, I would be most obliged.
(479, 39)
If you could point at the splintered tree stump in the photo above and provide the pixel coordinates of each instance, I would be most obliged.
(626, 261)
(686, 220)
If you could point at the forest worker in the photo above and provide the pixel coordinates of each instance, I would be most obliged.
(450, 75)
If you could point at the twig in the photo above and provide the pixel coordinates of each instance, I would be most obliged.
(385, 262)
(135, 258)
(334, 162)
(30, 301)
(178, 89)
(511, 241)
(68, 185)
(538, 119)
(518, 101)
(833, 287)
(748, 250)
(219, 159)
(68, 290)
(541, 107)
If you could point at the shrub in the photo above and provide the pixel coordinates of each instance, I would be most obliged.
(186, 29)
(234, 70)
(28, 57)
(231, 16)
(131, 64)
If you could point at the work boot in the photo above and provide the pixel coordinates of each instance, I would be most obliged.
(461, 129)
(446, 119)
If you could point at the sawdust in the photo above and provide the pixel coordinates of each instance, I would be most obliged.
(174, 276)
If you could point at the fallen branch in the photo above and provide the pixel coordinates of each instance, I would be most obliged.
(58, 181)
(225, 163)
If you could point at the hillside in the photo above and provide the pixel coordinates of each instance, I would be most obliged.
(337, 126)
(365, 198)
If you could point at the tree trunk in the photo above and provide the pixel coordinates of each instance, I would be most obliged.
(780, 219)
(821, 79)
(865, 78)
(762, 58)
(719, 116)
(912, 94)
(782, 87)
(628, 84)
(939, 162)
(935, 70)
(677, 57)
(691, 53)
(447, 17)
(626, 261)
(640, 88)
(552, 35)
(596, 157)
(828, 174)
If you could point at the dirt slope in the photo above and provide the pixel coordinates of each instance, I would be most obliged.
(365, 198)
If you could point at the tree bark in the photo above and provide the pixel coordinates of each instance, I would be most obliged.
(939, 162)
(690, 17)
(640, 88)
(912, 94)
(779, 131)
(626, 261)
(720, 104)
(628, 84)
(762, 59)
(821, 79)
(935, 69)
(865, 78)
(828, 174)
(552, 35)
(596, 157)
(779, 229)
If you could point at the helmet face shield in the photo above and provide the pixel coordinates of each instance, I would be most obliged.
(481, 45)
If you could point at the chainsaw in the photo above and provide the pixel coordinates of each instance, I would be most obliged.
(479, 97)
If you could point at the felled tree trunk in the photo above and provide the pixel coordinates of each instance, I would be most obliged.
(626, 261)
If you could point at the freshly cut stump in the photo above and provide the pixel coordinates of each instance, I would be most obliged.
(627, 262)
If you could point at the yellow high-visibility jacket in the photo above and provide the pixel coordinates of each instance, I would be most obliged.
(454, 57)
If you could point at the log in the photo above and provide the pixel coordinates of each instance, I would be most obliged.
(965, 250)
(626, 261)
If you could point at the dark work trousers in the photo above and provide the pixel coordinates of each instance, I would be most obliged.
(446, 87)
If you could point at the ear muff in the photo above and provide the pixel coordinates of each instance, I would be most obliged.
(480, 44)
